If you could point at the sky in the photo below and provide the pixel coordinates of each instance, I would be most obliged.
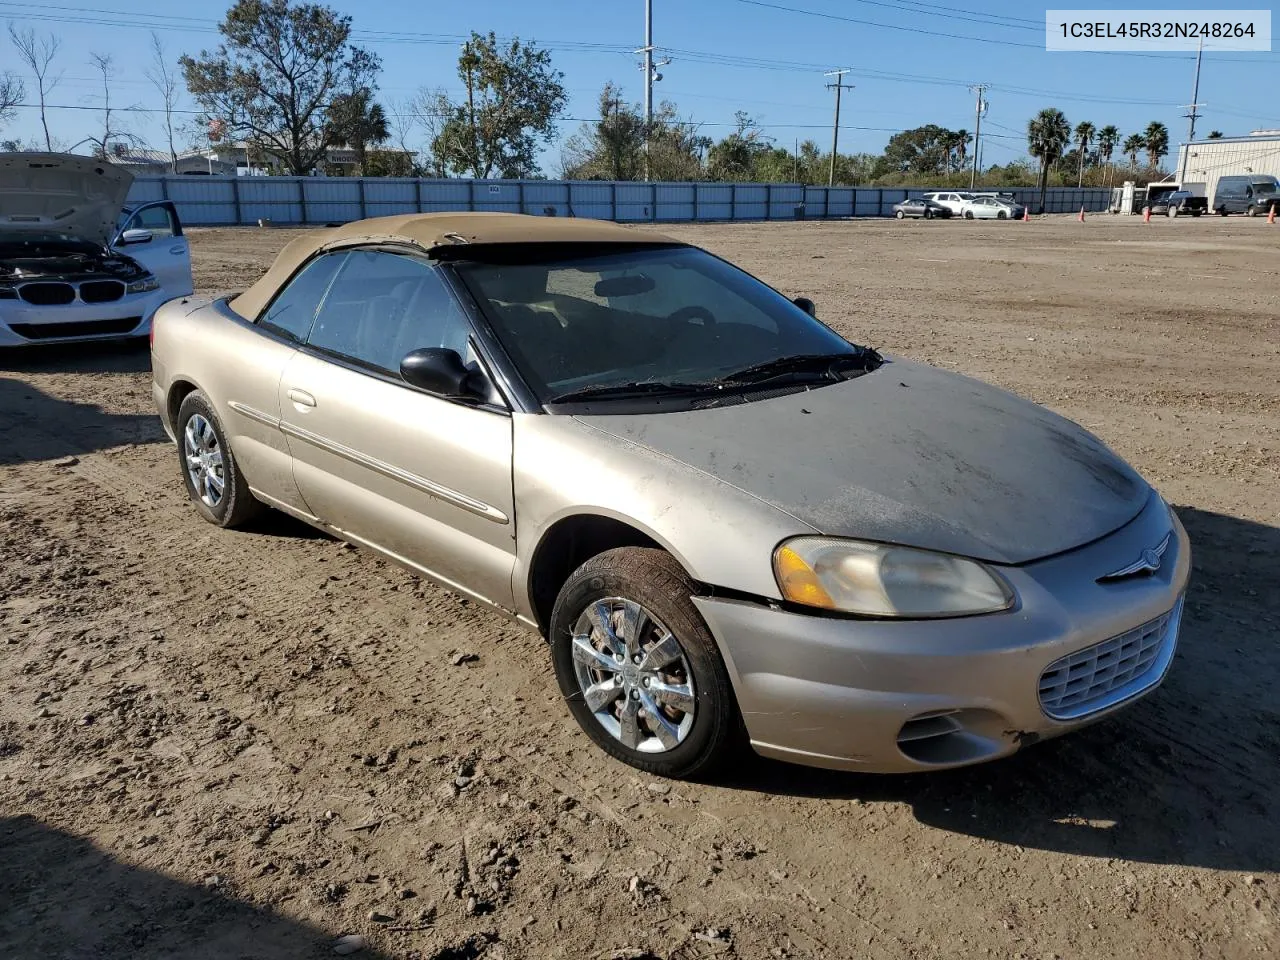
(911, 63)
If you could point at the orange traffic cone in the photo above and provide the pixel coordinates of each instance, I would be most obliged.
(1081, 218)
(1271, 217)
(1026, 214)
(1146, 214)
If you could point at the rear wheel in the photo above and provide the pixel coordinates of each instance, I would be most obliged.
(638, 667)
(213, 478)
(1222, 211)
(928, 214)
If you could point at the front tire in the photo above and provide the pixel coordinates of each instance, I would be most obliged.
(213, 478)
(1250, 211)
(1173, 212)
(900, 215)
(638, 667)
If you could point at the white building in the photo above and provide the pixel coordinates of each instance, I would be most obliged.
(1204, 161)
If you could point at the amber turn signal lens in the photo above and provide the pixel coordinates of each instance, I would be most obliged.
(797, 580)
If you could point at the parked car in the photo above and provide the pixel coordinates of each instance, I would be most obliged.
(919, 207)
(990, 208)
(75, 263)
(1179, 203)
(953, 200)
(663, 465)
(1251, 195)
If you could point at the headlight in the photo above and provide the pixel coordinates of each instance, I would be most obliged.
(881, 580)
(145, 285)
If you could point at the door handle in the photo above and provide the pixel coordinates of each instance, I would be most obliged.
(301, 398)
(178, 249)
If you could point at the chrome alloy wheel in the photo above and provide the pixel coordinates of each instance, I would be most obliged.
(633, 675)
(204, 461)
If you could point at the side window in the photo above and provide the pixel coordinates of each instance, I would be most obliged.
(294, 307)
(382, 306)
(159, 220)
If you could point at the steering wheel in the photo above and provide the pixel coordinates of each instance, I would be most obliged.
(693, 313)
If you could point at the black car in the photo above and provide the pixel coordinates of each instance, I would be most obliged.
(1179, 203)
(919, 207)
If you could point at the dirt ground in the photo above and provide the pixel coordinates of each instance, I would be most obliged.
(245, 745)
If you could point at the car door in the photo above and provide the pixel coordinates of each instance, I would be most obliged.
(249, 394)
(166, 253)
(425, 479)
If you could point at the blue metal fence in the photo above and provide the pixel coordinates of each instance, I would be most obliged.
(225, 201)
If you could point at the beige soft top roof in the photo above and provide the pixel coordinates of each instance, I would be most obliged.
(429, 230)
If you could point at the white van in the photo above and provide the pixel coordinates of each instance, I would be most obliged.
(953, 200)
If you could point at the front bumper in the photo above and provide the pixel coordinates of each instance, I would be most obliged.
(24, 324)
(898, 696)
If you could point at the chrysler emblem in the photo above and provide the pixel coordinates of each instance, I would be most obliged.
(1148, 562)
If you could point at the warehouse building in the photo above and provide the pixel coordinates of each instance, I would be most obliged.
(1205, 161)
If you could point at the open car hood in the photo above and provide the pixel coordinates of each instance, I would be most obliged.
(61, 193)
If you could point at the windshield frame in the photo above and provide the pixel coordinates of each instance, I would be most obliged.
(456, 258)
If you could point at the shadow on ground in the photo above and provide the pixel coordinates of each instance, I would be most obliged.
(36, 426)
(113, 356)
(60, 896)
(1187, 776)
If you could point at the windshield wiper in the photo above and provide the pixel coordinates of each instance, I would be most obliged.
(638, 388)
(828, 365)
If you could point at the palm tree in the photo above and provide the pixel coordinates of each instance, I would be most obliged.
(958, 148)
(1156, 137)
(1108, 138)
(1085, 132)
(1048, 134)
(356, 120)
(1133, 145)
(1215, 134)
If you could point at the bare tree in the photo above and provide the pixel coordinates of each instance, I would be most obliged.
(163, 78)
(38, 54)
(110, 132)
(12, 92)
(404, 122)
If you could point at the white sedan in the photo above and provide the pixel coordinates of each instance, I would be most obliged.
(75, 263)
(990, 208)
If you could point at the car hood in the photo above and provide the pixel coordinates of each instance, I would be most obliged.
(61, 194)
(913, 455)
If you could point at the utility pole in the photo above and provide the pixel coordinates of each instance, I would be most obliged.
(979, 109)
(839, 85)
(650, 76)
(1192, 116)
(471, 109)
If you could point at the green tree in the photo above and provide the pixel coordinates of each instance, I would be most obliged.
(274, 75)
(1085, 132)
(513, 98)
(1108, 139)
(612, 148)
(1156, 139)
(1048, 134)
(358, 121)
(1215, 135)
(1133, 145)
(930, 150)
(390, 163)
(734, 158)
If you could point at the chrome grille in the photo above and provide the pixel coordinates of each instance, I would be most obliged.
(101, 291)
(1100, 676)
(47, 294)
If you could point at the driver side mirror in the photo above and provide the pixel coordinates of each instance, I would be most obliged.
(807, 305)
(135, 236)
(440, 371)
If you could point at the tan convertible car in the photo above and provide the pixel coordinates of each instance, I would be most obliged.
(727, 520)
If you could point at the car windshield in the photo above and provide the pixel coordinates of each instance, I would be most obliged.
(574, 319)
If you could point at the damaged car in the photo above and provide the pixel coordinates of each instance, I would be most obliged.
(728, 521)
(76, 264)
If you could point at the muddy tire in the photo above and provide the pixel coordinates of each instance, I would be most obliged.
(213, 478)
(638, 667)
